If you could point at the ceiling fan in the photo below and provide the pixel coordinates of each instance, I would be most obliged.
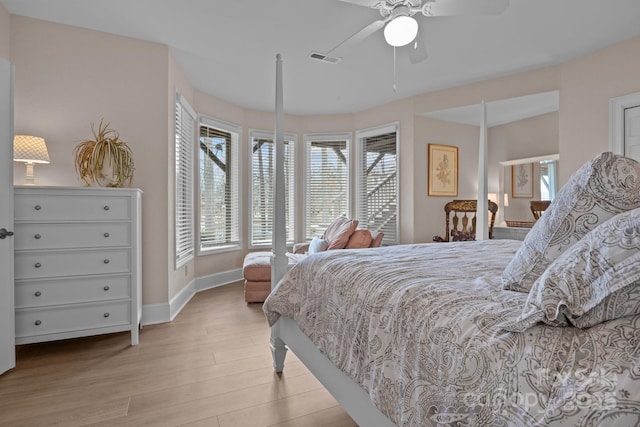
(401, 28)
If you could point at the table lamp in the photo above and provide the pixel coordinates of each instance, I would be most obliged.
(31, 150)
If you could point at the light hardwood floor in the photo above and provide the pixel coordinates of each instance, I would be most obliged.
(211, 366)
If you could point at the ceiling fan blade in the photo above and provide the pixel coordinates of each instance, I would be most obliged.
(365, 3)
(464, 7)
(359, 36)
(417, 50)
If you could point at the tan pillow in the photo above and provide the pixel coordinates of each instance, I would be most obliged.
(376, 239)
(600, 189)
(359, 239)
(339, 231)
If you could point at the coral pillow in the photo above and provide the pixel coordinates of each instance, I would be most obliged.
(339, 231)
(600, 189)
(359, 239)
(376, 239)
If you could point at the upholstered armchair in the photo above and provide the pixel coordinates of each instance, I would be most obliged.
(460, 220)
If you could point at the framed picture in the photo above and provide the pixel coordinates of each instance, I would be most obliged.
(443, 170)
(522, 180)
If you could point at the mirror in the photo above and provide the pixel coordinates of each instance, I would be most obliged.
(524, 180)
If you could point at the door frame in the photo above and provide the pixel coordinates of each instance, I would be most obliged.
(7, 310)
(616, 119)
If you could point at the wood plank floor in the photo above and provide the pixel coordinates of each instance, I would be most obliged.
(211, 366)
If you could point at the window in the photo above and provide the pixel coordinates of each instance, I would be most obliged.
(326, 181)
(185, 124)
(376, 204)
(219, 213)
(262, 185)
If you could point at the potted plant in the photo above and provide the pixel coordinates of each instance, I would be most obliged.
(105, 160)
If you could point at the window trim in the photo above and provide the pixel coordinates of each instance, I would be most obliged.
(231, 128)
(258, 133)
(367, 133)
(309, 138)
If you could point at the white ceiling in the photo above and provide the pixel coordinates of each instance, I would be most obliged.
(227, 48)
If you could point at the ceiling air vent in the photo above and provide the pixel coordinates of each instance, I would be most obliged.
(324, 58)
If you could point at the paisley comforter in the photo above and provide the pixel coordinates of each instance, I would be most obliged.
(423, 329)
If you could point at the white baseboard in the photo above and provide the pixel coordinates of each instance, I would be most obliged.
(166, 312)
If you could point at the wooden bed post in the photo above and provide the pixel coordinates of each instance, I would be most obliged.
(278, 237)
(482, 216)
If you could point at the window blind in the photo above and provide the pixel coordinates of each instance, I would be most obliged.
(326, 184)
(185, 124)
(377, 184)
(219, 218)
(262, 187)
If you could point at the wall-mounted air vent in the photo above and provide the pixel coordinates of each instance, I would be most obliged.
(324, 58)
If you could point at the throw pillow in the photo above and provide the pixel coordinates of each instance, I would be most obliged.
(359, 239)
(595, 280)
(339, 231)
(600, 189)
(462, 236)
(318, 244)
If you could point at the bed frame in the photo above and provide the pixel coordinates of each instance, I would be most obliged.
(351, 396)
(285, 333)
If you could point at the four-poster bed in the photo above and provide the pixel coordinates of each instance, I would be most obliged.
(456, 334)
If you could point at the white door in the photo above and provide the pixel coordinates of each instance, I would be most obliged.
(632, 132)
(7, 329)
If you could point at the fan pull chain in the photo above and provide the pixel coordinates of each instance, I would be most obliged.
(394, 68)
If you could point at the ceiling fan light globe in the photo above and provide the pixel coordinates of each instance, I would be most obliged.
(401, 31)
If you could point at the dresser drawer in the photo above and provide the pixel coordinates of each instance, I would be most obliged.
(70, 207)
(66, 236)
(65, 318)
(38, 293)
(39, 264)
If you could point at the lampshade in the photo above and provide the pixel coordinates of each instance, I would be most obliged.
(30, 149)
(401, 31)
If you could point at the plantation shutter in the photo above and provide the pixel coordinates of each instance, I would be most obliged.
(377, 200)
(219, 188)
(185, 124)
(327, 184)
(263, 181)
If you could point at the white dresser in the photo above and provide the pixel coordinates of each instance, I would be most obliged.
(77, 262)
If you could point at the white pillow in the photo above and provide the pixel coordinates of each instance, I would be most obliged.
(318, 244)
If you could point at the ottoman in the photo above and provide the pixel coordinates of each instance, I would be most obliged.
(256, 270)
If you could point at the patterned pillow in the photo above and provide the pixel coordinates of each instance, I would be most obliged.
(595, 280)
(600, 189)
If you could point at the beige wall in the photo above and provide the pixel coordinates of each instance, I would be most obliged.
(5, 33)
(68, 78)
(587, 85)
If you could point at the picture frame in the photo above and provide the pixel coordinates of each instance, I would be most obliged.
(522, 180)
(442, 170)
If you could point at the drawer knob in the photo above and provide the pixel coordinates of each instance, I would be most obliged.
(106, 208)
(38, 322)
(37, 236)
(106, 234)
(38, 293)
(106, 315)
(37, 265)
(106, 288)
(37, 207)
(106, 261)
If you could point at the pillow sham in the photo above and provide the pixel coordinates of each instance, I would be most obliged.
(359, 239)
(317, 244)
(595, 280)
(600, 189)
